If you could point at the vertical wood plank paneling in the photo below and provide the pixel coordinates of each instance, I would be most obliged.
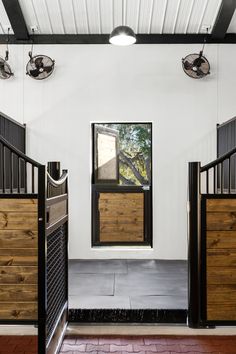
(18, 259)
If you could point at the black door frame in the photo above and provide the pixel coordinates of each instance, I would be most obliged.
(97, 188)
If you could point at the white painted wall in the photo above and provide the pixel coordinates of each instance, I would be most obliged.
(138, 83)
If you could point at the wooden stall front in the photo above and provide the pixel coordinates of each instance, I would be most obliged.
(18, 258)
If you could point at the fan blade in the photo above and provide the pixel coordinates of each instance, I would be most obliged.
(34, 72)
(198, 62)
(4, 72)
(187, 65)
(199, 72)
(48, 69)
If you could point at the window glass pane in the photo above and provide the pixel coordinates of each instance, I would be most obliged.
(132, 146)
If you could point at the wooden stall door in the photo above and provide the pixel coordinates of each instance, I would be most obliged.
(220, 259)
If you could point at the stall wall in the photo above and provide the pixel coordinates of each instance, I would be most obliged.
(102, 83)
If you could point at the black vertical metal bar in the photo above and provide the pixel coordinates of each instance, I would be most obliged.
(194, 246)
(3, 169)
(11, 172)
(207, 181)
(42, 257)
(32, 166)
(25, 174)
(221, 178)
(229, 176)
(18, 175)
(215, 177)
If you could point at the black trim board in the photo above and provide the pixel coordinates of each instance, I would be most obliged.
(16, 19)
(104, 39)
(224, 18)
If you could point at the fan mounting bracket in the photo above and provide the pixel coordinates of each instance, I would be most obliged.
(7, 28)
(34, 28)
(206, 28)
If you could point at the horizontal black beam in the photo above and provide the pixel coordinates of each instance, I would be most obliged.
(16, 19)
(104, 39)
(224, 18)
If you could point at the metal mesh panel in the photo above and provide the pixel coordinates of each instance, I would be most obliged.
(56, 276)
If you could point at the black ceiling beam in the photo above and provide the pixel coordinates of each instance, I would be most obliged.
(223, 19)
(16, 19)
(104, 39)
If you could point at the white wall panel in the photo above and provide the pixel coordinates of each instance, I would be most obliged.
(151, 86)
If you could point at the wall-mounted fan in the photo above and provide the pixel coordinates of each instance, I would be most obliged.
(39, 67)
(5, 69)
(196, 65)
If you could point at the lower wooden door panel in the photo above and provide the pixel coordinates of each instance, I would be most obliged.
(121, 215)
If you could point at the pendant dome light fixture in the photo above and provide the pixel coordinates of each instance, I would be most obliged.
(122, 35)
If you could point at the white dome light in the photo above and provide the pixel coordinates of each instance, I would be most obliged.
(122, 35)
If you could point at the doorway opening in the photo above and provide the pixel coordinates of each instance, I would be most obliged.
(125, 290)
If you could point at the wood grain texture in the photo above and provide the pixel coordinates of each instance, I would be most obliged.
(121, 217)
(18, 258)
(18, 220)
(218, 275)
(217, 312)
(225, 221)
(18, 239)
(221, 239)
(19, 205)
(18, 275)
(18, 311)
(22, 293)
(221, 259)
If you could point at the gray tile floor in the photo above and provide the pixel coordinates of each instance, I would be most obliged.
(127, 284)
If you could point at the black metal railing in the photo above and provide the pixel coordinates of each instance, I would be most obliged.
(13, 131)
(214, 181)
(17, 171)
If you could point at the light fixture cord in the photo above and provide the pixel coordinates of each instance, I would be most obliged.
(204, 43)
(32, 45)
(7, 51)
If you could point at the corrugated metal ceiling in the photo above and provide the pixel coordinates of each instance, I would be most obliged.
(101, 16)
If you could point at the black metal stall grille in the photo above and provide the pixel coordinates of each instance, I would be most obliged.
(56, 277)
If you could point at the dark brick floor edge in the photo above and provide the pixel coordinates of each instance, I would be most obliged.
(127, 316)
